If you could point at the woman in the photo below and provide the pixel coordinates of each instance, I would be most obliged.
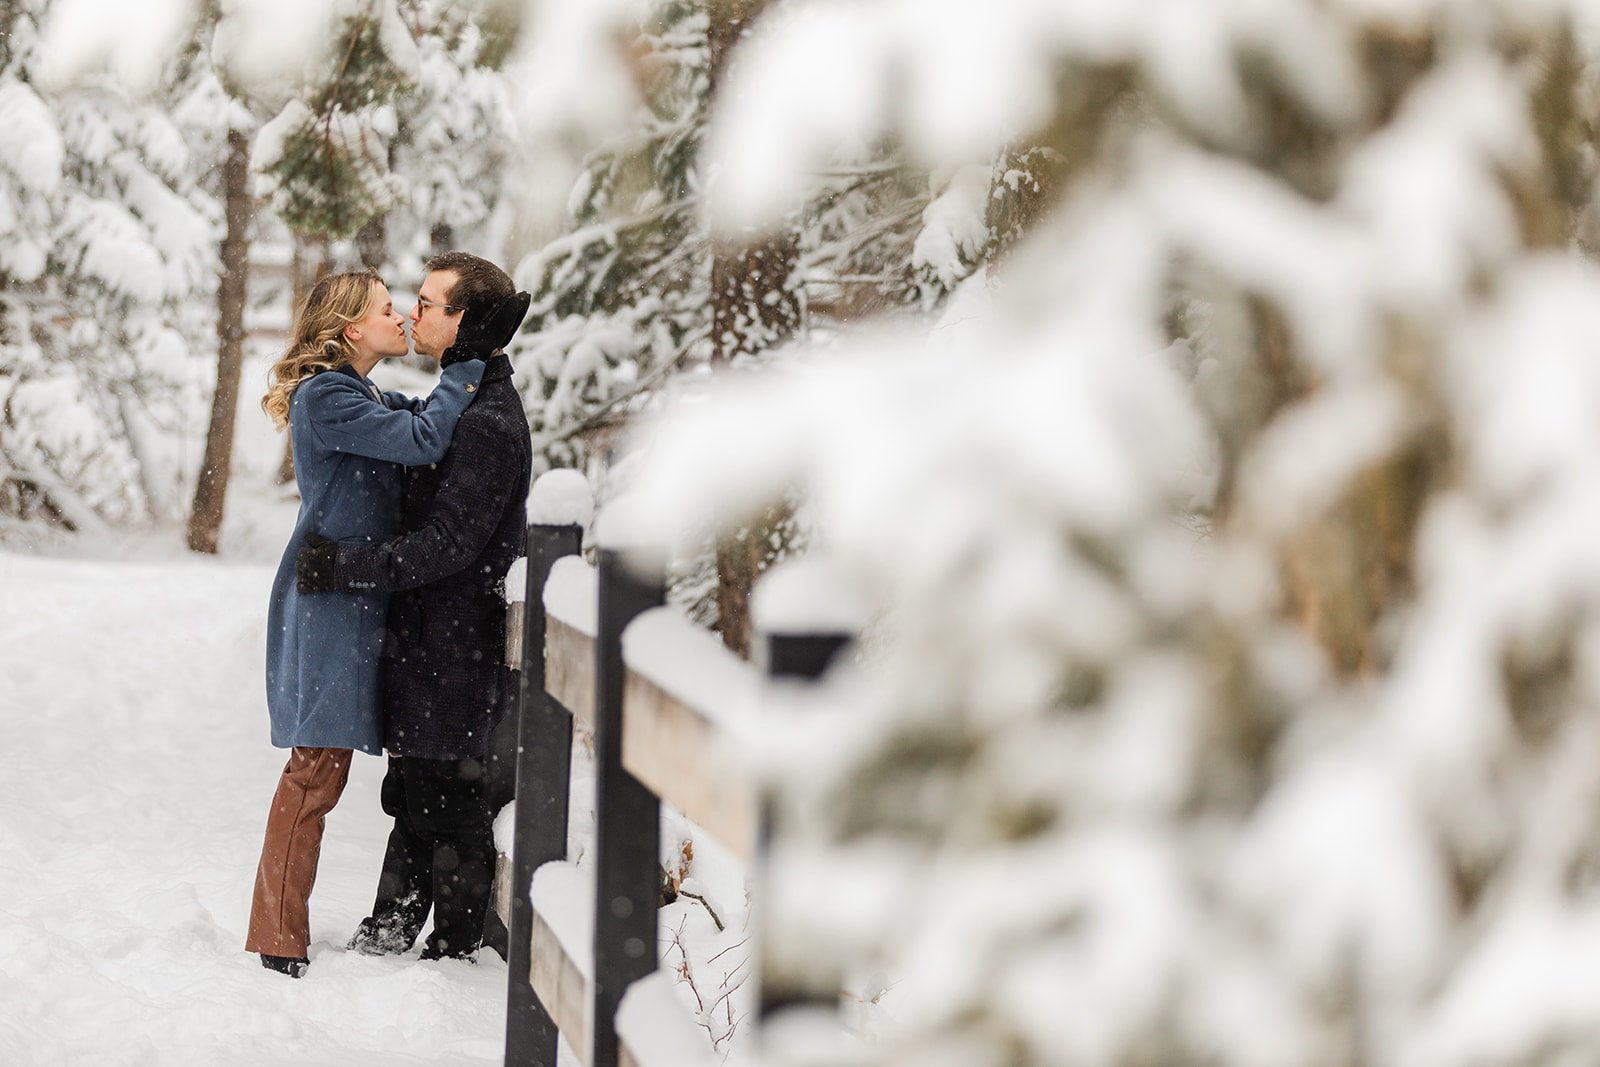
(350, 442)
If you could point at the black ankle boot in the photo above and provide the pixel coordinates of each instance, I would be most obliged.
(293, 966)
(377, 937)
(439, 950)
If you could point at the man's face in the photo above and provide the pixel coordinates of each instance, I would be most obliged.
(433, 325)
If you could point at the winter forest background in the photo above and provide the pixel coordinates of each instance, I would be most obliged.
(1199, 399)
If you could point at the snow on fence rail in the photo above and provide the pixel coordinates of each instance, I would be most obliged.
(667, 705)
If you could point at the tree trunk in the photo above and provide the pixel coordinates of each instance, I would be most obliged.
(1023, 191)
(730, 19)
(737, 565)
(286, 464)
(310, 263)
(753, 306)
(205, 518)
(1031, 173)
(441, 239)
(372, 243)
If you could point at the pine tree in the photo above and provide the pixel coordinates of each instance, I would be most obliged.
(218, 120)
(638, 293)
(324, 158)
(1230, 699)
(623, 300)
(211, 485)
(326, 154)
(755, 305)
(454, 140)
(105, 252)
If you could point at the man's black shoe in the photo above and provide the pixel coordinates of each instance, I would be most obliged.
(293, 966)
(435, 953)
(374, 938)
(435, 947)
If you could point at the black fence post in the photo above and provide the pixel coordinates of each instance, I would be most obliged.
(804, 657)
(627, 814)
(544, 755)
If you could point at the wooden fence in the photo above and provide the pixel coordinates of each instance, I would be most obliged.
(653, 742)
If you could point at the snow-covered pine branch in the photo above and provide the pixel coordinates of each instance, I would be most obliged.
(107, 254)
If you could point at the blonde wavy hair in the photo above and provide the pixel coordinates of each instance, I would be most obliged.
(317, 341)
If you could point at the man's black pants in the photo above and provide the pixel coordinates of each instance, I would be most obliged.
(441, 852)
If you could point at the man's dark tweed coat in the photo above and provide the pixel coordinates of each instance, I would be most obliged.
(464, 521)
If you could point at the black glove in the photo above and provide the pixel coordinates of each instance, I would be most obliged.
(479, 335)
(313, 564)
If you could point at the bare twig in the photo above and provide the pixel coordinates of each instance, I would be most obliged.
(734, 1024)
(685, 972)
(705, 904)
(728, 991)
(727, 950)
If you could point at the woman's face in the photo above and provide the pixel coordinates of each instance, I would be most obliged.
(381, 332)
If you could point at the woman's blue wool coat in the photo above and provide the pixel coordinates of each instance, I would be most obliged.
(350, 445)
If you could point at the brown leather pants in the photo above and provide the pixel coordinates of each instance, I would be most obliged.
(280, 923)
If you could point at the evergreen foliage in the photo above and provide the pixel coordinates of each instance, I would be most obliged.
(111, 214)
(455, 139)
(326, 155)
(639, 292)
(1231, 694)
(107, 255)
(624, 298)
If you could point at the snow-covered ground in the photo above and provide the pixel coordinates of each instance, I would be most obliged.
(134, 798)
(132, 803)
(131, 813)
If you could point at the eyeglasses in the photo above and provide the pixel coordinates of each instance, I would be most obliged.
(446, 307)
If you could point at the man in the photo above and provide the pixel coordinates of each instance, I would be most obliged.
(463, 522)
